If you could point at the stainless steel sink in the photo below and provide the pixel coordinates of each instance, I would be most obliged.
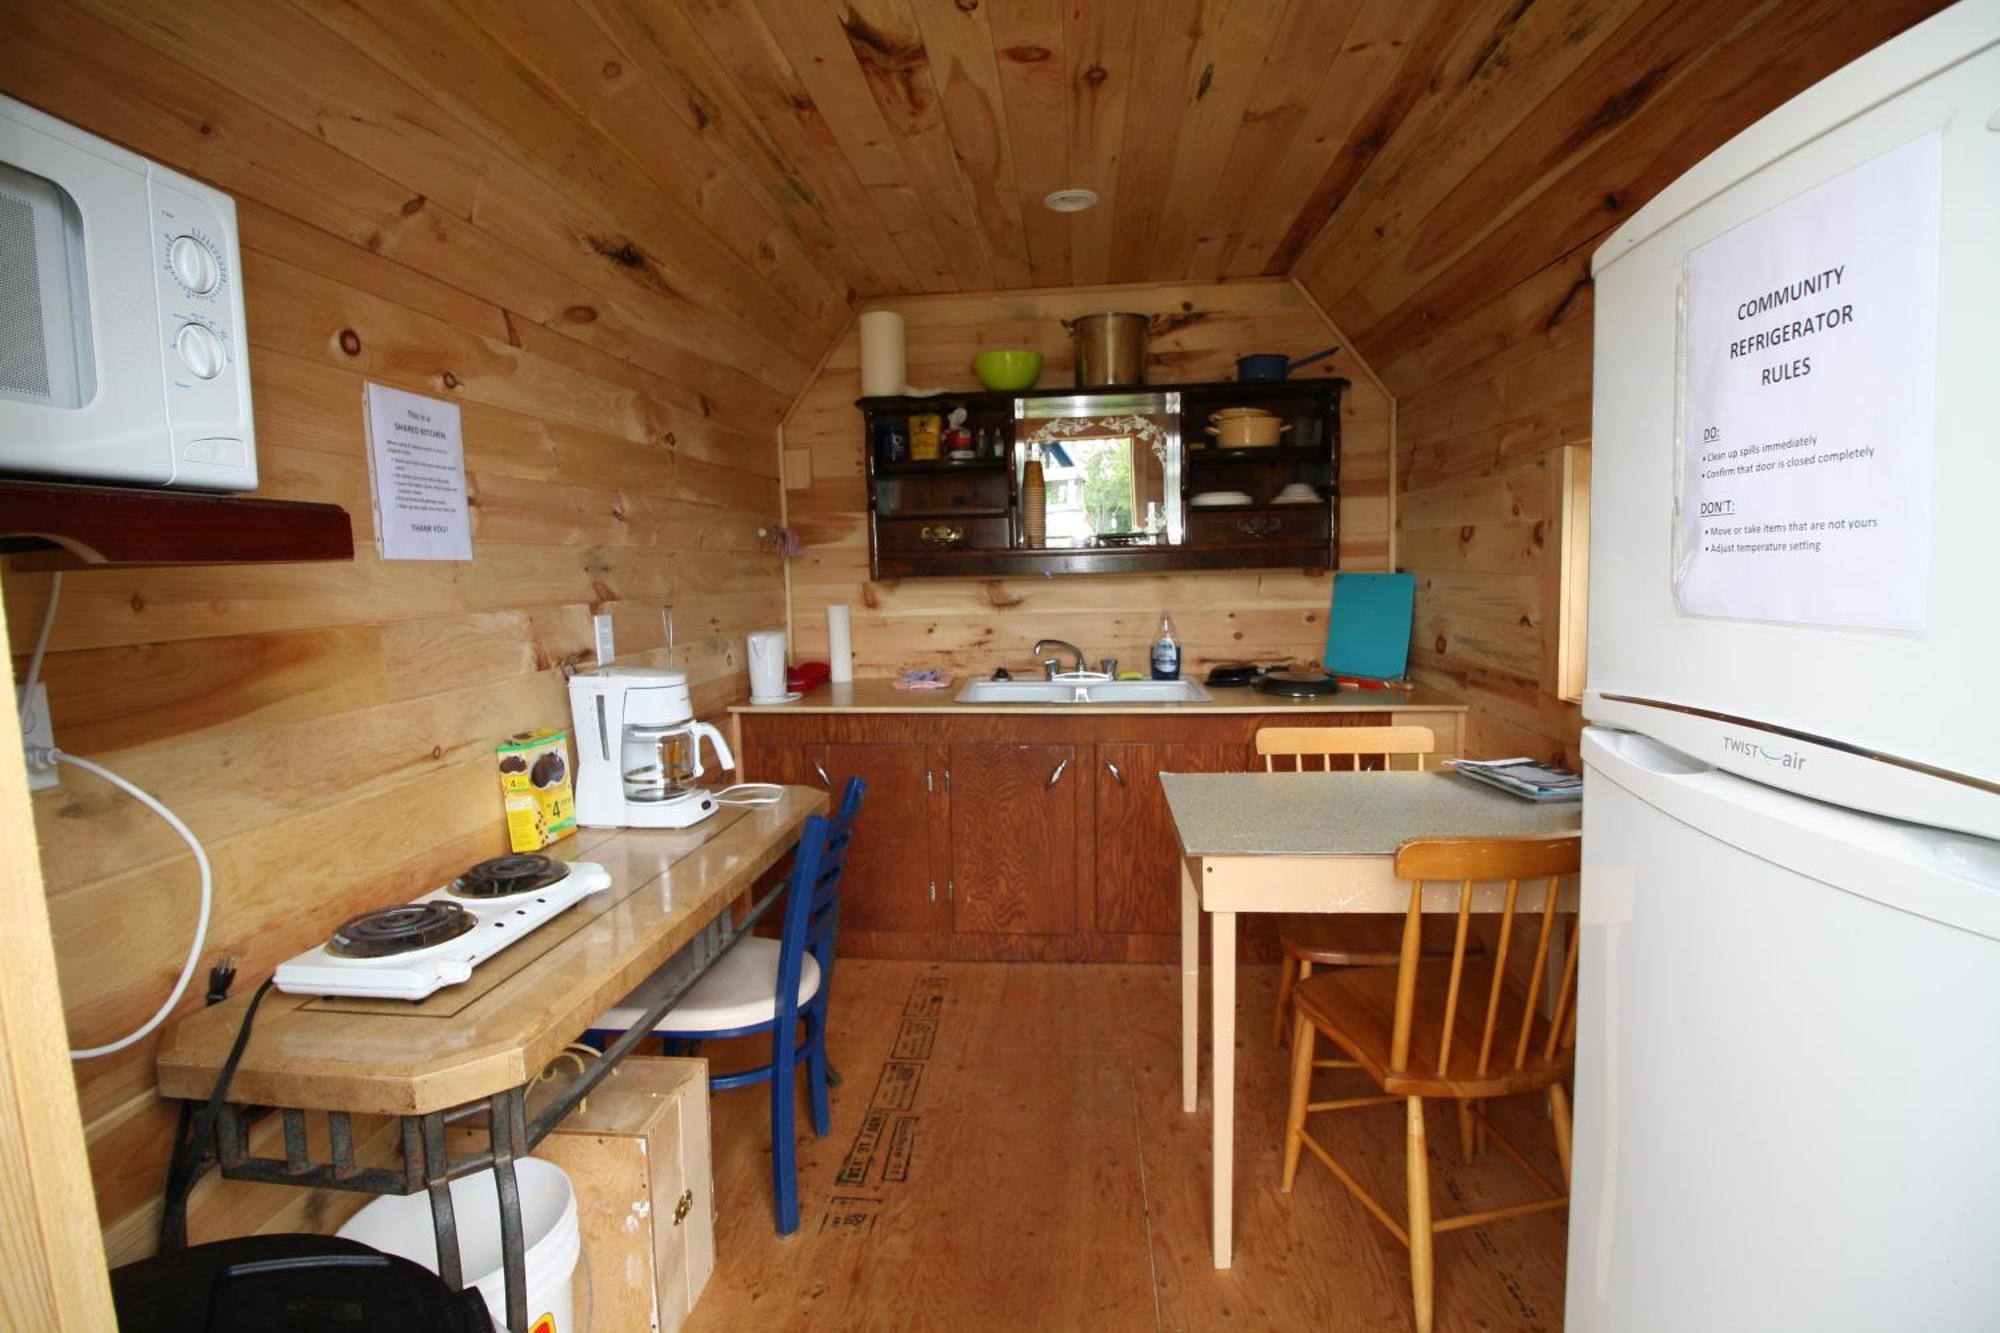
(1082, 692)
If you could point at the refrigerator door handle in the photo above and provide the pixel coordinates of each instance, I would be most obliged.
(1947, 876)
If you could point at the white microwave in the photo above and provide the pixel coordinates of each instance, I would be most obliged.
(122, 352)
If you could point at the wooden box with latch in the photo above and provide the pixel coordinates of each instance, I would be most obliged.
(637, 1152)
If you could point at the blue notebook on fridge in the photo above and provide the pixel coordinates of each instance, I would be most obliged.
(1368, 632)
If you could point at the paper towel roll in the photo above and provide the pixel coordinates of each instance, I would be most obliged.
(839, 643)
(882, 369)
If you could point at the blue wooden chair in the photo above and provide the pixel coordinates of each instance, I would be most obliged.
(769, 985)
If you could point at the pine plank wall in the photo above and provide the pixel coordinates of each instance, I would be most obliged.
(328, 729)
(974, 625)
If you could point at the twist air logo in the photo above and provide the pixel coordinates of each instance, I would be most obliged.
(1791, 759)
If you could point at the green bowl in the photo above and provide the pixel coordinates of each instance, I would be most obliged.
(1016, 368)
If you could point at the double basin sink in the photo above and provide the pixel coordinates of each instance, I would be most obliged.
(1092, 691)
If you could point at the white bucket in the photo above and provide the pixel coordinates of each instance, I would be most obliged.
(401, 1225)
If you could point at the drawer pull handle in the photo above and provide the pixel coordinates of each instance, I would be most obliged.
(942, 534)
(1056, 776)
(820, 769)
(1261, 526)
(1116, 775)
(683, 1206)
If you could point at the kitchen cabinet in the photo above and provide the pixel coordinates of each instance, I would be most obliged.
(1014, 827)
(1137, 854)
(891, 882)
(963, 517)
(1035, 833)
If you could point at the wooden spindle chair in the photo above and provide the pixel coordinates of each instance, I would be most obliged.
(1460, 1027)
(1341, 939)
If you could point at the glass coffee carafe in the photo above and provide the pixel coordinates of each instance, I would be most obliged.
(661, 763)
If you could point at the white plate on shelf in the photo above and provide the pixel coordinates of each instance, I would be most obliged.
(793, 697)
(1220, 500)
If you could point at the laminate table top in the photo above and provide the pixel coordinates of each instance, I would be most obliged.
(1348, 814)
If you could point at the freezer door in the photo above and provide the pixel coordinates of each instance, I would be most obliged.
(1788, 1060)
(1920, 696)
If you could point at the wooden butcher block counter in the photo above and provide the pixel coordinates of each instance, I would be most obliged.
(520, 1008)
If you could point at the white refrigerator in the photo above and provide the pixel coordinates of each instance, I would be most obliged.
(1788, 1060)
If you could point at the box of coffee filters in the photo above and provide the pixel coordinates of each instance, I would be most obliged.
(535, 785)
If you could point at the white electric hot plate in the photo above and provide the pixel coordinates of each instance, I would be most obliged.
(414, 949)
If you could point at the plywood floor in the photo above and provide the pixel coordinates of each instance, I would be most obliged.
(1008, 1154)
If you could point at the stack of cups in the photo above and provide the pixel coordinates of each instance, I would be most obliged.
(1034, 503)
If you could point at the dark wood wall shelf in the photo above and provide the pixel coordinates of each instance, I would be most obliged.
(981, 539)
(53, 525)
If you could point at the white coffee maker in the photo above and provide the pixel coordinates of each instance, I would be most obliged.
(638, 749)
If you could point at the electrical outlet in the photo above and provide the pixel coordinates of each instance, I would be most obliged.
(600, 625)
(37, 731)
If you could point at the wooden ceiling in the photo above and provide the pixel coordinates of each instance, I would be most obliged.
(705, 187)
(912, 142)
(926, 133)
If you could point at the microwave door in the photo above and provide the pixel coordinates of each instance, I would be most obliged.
(46, 357)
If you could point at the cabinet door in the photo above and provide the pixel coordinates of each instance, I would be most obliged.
(792, 765)
(1013, 838)
(891, 882)
(1138, 853)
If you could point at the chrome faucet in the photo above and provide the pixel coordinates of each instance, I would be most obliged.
(1049, 664)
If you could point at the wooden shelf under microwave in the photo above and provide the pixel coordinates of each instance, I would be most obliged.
(54, 525)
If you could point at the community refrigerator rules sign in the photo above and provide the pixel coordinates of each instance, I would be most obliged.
(1809, 347)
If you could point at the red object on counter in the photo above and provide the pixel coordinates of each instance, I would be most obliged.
(807, 676)
(1373, 683)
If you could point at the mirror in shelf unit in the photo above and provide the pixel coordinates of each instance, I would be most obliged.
(1111, 468)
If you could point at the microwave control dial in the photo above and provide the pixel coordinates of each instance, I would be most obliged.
(195, 265)
(201, 351)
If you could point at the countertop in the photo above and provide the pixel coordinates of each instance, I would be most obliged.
(878, 695)
(1348, 814)
(498, 1030)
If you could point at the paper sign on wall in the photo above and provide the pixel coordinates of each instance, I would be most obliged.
(1809, 341)
(416, 456)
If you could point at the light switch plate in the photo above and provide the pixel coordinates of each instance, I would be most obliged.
(600, 625)
(37, 730)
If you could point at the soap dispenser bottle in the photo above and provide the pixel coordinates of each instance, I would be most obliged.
(1166, 651)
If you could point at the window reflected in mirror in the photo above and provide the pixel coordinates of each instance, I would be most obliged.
(1109, 481)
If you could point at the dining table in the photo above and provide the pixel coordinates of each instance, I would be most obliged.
(1309, 842)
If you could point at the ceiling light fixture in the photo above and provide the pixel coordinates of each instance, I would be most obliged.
(1071, 201)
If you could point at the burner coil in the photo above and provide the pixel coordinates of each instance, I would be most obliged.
(389, 931)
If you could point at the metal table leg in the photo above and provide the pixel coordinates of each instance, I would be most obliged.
(508, 1132)
(437, 1179)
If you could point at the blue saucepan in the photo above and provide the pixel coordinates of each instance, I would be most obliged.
(1262, 367)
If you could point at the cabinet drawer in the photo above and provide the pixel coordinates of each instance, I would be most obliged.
(953, 533)
(1251, 527)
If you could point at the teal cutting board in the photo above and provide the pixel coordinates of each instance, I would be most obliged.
(1368, 632)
